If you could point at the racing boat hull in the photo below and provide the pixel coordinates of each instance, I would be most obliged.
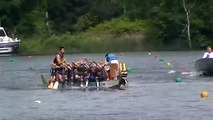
(114, 84)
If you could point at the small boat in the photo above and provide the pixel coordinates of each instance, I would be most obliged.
(204, 65)
(8, 44)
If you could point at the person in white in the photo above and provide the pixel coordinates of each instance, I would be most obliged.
(112, 66)
(208, 53)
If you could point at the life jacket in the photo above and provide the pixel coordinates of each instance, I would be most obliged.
(122, 67)
(92, 74)
(111, 57)
(61, 58)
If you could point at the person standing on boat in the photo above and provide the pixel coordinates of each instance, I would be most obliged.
(60, 64)
(112, 62)
(208, 53)
(59, 59)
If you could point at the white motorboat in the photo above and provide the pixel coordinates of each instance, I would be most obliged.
(8, 44)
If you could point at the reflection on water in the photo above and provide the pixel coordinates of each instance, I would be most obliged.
(153, 93)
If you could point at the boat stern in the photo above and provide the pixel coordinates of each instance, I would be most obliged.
(6, 50)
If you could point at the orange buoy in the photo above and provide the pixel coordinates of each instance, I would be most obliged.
(29, 57)
(122, 54)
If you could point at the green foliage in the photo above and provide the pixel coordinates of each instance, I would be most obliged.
(32, 46)
(33, 24)
(119, 26)
(107, 25)
(85, 22)
(120, 35)
(202, 23)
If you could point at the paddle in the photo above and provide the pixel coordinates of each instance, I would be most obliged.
(50, 85)
(44, 81)
(75, 64)
(55, 86)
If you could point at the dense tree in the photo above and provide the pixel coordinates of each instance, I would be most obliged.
(168, 17)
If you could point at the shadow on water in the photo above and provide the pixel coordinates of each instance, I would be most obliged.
(207, 74)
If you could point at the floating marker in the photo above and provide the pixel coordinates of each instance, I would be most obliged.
(194, 73)
(169, 64)
(121, 54)
(29, 57)
(129, 70)
(11, 60)
(150, 53)
(204, 94)
(161, 60)
(37, 101)
(185, 73)
(184, 70)
(178, 79)
(171, 72)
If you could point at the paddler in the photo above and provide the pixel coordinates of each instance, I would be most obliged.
(60, 65)
(113, 64)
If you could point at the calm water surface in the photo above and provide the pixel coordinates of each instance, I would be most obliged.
(153, 93)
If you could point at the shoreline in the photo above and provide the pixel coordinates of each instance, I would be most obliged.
(118, 53)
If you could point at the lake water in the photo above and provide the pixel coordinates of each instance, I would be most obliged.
(153, 93)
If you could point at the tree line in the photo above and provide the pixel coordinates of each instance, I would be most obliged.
(174, 22)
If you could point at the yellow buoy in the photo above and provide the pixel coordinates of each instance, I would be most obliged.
(169, 64)
(204, 94)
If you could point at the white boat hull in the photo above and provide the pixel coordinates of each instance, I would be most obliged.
(6, 50)
(7, 44)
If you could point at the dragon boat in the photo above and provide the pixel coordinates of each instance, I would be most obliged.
(113, 76)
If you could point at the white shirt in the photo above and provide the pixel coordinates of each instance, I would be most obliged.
(114, 61)
(107, 67)
(208, 55)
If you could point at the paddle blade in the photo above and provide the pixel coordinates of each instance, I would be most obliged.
(55, 87)
(51, 85)
(44, 81)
